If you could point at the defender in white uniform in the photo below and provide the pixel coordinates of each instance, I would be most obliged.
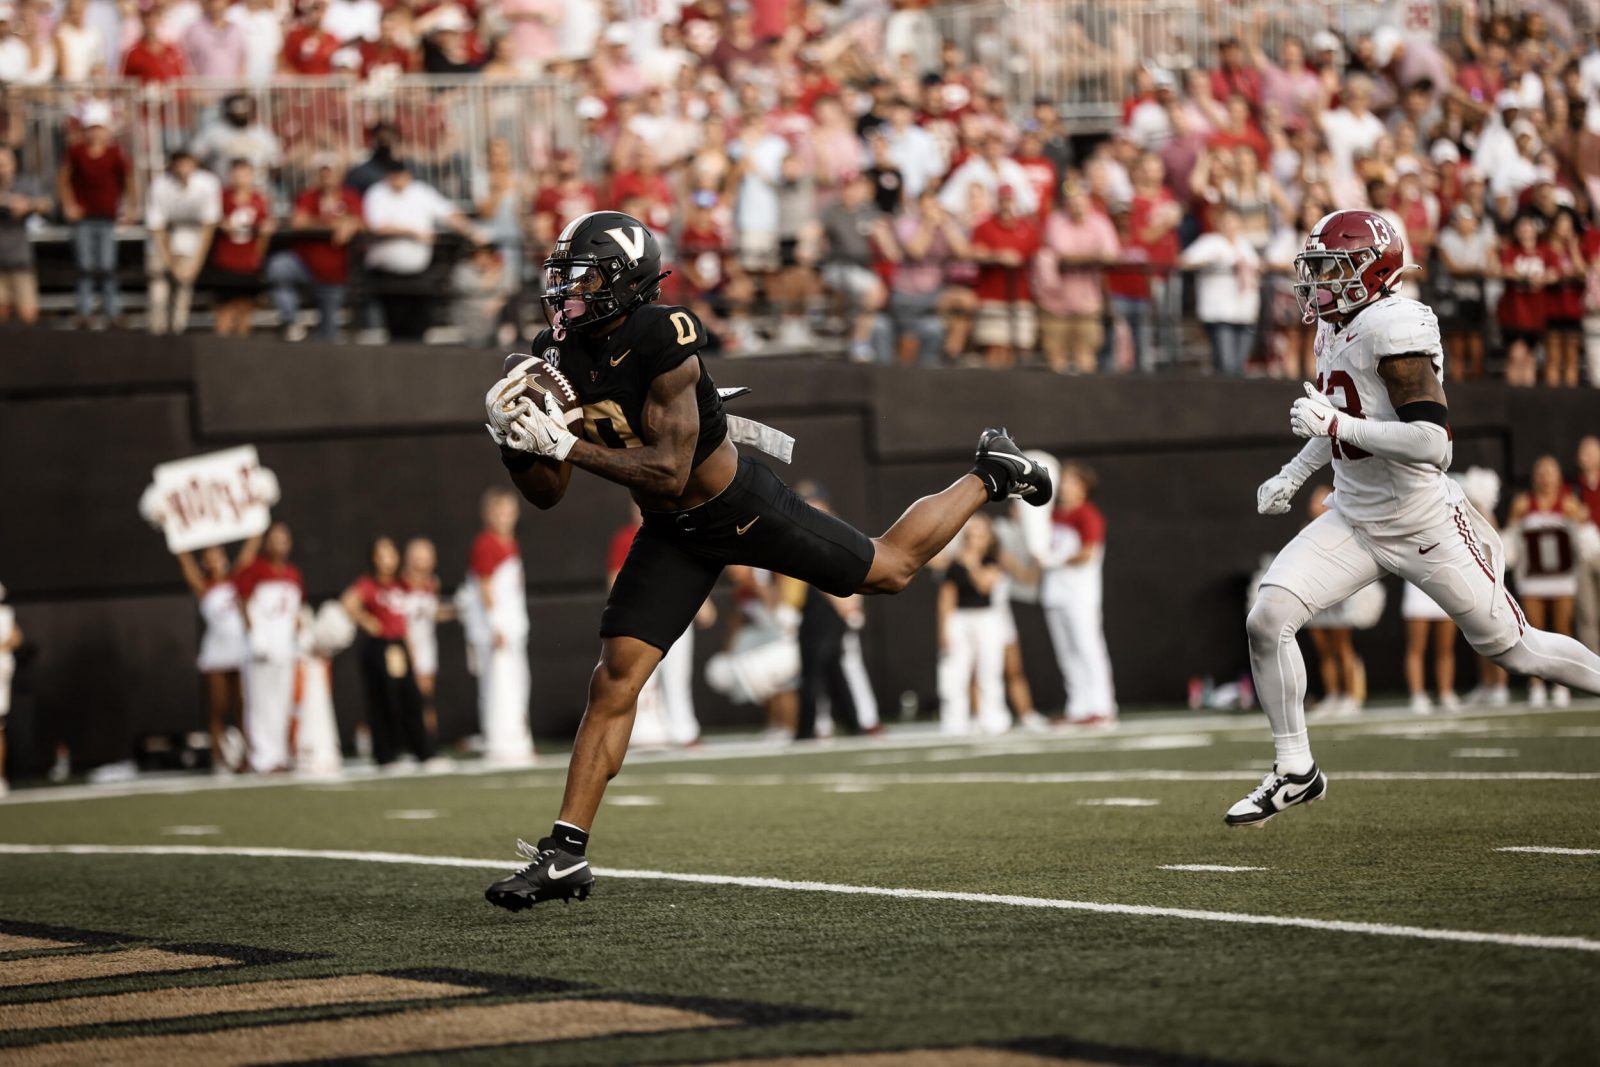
(1377, 412)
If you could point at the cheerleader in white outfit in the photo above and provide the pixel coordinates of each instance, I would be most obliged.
(224, 646)
(503, 680)
(972, 635)
(1552, 533)
(271, 592)
(1425, 619)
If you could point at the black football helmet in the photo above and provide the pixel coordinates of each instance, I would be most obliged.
(603, 265)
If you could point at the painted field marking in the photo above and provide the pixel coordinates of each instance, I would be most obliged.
(849, 787)
(1221, 868)
(634, 800)
(412, 814)
(1551, 851)
(1484, 753)
(1119, 802)
(191, 831)
(1341, 926)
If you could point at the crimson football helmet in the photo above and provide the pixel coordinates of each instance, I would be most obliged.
(1350, 259)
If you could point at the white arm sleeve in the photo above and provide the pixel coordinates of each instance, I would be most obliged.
(1317, 453)
(1407, 442)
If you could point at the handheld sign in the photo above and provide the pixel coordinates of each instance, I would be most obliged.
(211, 499)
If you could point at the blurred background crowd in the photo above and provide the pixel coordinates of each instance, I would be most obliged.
(1073, 186)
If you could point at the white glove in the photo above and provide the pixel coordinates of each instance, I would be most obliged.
(505, 400)
(1275, 494)
(541, 431)
(1312, 415)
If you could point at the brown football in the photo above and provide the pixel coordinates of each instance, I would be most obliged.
(544, 378)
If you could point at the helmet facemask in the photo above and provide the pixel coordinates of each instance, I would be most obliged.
(578, 293)
(1329, 281)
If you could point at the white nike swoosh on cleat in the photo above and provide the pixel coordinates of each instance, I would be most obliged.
(556, 872)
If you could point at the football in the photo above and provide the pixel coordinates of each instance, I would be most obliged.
(543, 377)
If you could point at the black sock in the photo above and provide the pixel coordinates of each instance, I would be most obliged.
(569, 837)
(993, 475)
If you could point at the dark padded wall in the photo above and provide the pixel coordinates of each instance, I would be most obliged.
(387, 440)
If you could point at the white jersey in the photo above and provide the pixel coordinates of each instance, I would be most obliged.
(1369, 489)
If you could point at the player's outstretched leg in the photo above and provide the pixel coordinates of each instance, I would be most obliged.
(557, 867)
(1280, 675)
(999, 471)
(1553, 657)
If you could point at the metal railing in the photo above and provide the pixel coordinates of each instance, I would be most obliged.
(1083, 54)
(445, 123)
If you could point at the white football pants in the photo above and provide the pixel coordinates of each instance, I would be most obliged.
(975, 653)
(1077, 633)
(268, 711)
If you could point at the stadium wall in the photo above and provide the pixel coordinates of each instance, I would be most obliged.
(388, 440)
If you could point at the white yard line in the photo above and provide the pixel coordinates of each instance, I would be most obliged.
(1415, 933)
(1079, 777)
(1551, 851)
(1207, 867)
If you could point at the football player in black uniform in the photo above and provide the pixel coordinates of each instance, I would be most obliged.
(653, 421)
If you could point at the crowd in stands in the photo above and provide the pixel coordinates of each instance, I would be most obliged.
(836, 168)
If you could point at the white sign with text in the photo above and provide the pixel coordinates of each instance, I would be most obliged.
(211, 499)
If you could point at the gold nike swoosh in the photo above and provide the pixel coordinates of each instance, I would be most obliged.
(622, 357)
(739, 530)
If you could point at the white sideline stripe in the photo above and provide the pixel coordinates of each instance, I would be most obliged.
(1551, 851)
(1416, 933)
(1222, 868)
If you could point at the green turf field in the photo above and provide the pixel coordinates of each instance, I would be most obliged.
(1414, 937)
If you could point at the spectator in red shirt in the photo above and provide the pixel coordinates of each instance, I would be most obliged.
(1525, 266)
(1233, 76)
(564, 199)
(1563, 301)
(152, 60)
(308, 48)
(642, 178)
(1145, 298)
(93, 186)
(377, 602)
(1041, 172)
(389, 56)
(1004, 244)
(1239, 129)
(326, 218)
(238, 249)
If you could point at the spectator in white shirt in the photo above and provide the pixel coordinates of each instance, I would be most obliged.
(1227, 290)
(263, 38)
(353, 20)
(912, 149)
(990, 169)
(182, 210)
(1149, 123)
(403, 215)
(1353, 129)
(15, 58)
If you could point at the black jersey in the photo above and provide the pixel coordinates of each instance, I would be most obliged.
(613, 373)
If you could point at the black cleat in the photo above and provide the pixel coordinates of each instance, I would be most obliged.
(1006, 472)
(552, 874)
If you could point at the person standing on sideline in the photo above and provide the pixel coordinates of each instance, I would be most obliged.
(182, 210)
(10, 641)
(271, 591)
(377, 602)
(224, 645)
(1544, 522)
(674, 679)
(423, 614)
(1587, 489)
(970, 641)
(825, 622)
(496, 566)
(1426, 620)
(93, 185)
(1070, 591)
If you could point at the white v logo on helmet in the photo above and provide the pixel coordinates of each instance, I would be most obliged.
(632, 244)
